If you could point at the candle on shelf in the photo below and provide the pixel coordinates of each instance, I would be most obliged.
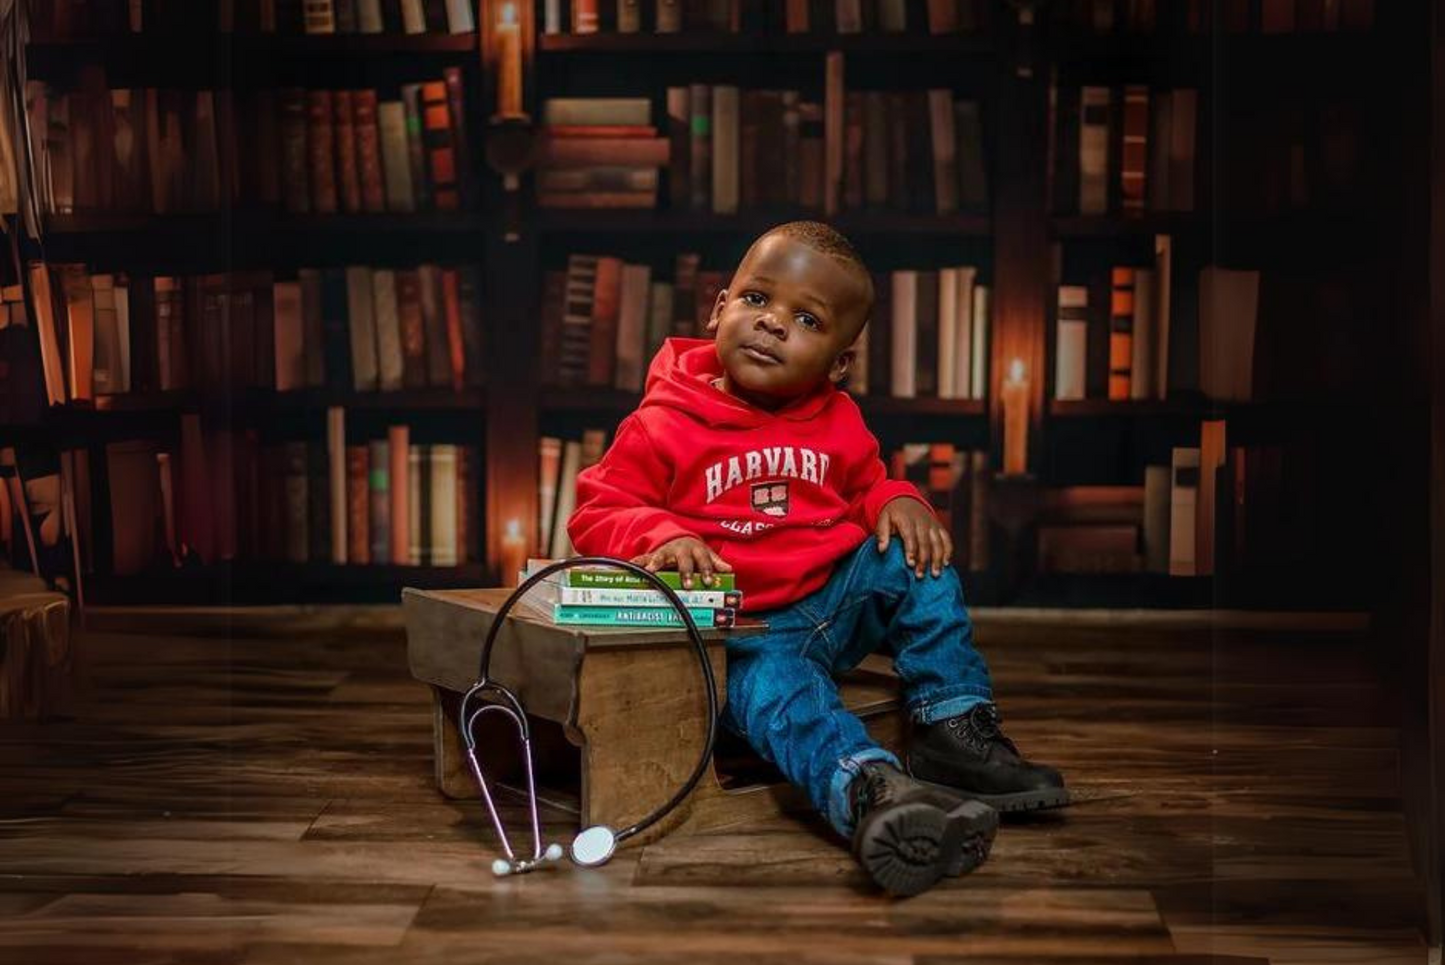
(509, 63)
(514, 552)
(1015, 397)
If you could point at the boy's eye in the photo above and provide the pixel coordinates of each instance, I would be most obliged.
(808, 321)
(753, 298)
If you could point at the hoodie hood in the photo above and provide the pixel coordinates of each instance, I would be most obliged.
(681, 376)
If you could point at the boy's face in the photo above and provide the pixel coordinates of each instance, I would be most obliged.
(787, 322)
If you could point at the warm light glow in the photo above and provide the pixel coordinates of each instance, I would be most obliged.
(508, 15)
(1016, 370)
(514, 529)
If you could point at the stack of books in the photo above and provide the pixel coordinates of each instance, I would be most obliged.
(599, 152)
(607, 597)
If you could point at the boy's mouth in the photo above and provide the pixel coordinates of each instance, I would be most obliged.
(759, 354)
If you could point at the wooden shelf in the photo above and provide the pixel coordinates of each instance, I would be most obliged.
(250, 401)
(1095, 408)
(888, 406)
(1106, 226)
(212, 224)
(763, 43)
(857, 223)
(615, 401)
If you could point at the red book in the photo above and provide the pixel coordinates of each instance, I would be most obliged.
(1121, 333)
(440, 152)
(452, 307)
(413, 329)
(399, 449)
(319, 138)
(347, 174)
(606, 304)
(457, 110)
(368, 150)
(358, 505)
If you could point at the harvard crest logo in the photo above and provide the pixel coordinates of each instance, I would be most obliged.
(771, 498)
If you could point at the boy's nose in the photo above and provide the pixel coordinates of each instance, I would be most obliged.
(772, 326)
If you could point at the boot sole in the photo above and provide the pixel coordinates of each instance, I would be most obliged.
(1014, 803)
(908, 848)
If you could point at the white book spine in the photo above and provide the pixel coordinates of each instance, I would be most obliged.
(945, 150)
(459, 17)
(413, 17)
(1071, 343)
(395, 158)
(724, 149)
(361, 322)
(904, 304)
(443, 549)
(389, 362)
(566, 499)
(552, 17)
(947, 333)
(1183, 496)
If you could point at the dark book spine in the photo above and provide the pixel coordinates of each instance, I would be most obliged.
(318, 504)
(335, 333)
(926, 347)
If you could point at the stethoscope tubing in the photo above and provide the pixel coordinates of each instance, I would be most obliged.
(486, 684)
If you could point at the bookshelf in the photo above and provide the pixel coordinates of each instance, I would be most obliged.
(1023, 244)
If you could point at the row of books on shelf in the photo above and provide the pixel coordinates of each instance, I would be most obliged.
(221, 495)
(603, 319)
(1244, 334)
(91, 18)
(1133, 150)
(1212, 508)
(1130, 151)
(147, 150)
(352, 329)
(727, 149)
(1108, 17)
(842, 17)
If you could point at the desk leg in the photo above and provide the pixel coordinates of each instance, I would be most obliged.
(448, 761)
(642, 715)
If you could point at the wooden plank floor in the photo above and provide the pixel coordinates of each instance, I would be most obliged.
(222, 800)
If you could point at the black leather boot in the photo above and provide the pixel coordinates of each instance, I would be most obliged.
(970, 753)
(907, 835)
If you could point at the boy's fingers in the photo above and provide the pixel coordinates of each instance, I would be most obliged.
(947, 546)
(684, 569)
(883, 529)
(702, 557)
(939, 557)
(720, 564)
(925, 548)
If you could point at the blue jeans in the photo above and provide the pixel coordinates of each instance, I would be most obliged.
(781, 695)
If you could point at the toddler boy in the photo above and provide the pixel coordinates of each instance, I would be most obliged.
(745, 457)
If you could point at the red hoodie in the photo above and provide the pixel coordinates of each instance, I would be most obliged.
(782, 496)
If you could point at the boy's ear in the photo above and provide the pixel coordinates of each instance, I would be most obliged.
(842, 365)
(716, 316)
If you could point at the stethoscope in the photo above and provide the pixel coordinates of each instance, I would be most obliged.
(595, 845)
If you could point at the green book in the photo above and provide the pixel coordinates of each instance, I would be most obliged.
(639, 616)
(620, 579)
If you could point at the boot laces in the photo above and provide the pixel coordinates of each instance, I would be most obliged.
(982, 727)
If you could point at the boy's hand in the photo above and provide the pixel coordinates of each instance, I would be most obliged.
(688, 555)
(926, 544)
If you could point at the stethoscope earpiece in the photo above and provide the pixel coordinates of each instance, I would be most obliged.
(595, 845)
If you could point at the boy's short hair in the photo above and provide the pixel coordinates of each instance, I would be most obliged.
(827, 240)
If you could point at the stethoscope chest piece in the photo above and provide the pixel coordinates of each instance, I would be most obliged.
(594, 846)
